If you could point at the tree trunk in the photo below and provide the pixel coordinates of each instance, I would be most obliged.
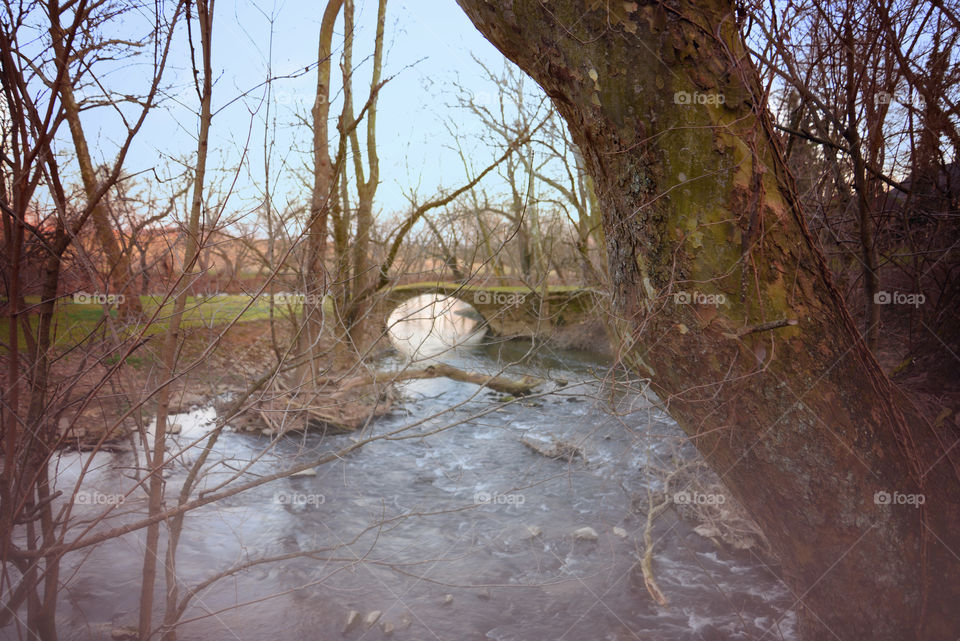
(322, 197)
(157, 459)
(868, 260)
(363, 276)
(118, 261)
(796, 417)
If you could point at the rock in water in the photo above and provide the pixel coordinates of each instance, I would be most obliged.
(353, 618)
(555, 448)
(585, 534)
(619, 531)
(372, 618)
(387, 627)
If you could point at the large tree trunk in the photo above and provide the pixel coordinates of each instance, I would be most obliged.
(775, 386)
(323, 197)
(363, 275)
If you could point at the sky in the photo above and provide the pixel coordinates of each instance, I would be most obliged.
(431, 46)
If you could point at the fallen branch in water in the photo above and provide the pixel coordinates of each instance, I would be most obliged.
(346, 404)
(521, 387)
(515, 387)
(646, 559)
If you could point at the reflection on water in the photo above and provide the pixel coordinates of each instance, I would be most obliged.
(431, 324)
(451, 534)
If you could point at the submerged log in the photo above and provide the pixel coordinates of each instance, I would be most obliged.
(515, 387)
(346, 404)
(521, 387)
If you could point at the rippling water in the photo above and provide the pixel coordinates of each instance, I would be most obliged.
(446, 563)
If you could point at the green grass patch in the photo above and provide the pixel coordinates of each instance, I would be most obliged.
(74, 322)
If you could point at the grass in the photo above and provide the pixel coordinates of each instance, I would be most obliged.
(74, 322)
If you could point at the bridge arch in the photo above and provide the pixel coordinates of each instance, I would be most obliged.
(508, 311)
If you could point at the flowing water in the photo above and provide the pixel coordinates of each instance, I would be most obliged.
(452, 534)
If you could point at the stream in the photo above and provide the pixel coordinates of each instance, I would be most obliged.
(476, 530)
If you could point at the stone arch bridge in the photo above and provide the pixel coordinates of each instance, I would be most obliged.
(508, 311)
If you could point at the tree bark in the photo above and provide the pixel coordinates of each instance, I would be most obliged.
(118, 261)
(363, 275)
(798, 419)
(323, 196)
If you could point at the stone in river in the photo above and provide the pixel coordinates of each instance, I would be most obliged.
(585, 534)
(353, 618)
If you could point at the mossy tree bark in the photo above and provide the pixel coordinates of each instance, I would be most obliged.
(323, 198)
(775, 386)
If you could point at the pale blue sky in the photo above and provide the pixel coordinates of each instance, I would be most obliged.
(430, 45)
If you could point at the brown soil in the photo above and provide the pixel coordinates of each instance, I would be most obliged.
(98, 399)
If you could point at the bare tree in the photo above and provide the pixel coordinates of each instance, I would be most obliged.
(34, 118)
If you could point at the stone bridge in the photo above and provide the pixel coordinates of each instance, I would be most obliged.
(508, 311)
